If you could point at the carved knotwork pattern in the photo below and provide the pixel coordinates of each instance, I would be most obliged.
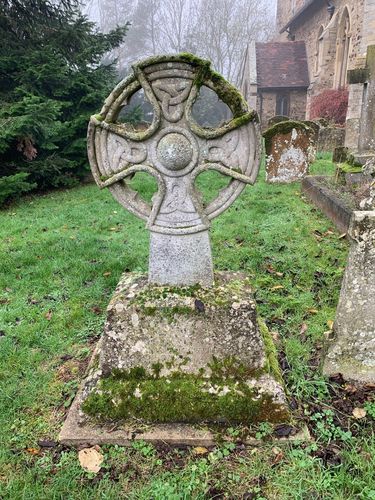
(174, 149)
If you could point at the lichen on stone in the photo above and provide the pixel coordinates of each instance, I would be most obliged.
(283, 128)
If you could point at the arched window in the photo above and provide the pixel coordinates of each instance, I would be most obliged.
(319, 50)
(343, 49)
(282, 104)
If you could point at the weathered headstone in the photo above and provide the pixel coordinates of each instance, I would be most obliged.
(290, 148)
(353, 351)
(178, 346)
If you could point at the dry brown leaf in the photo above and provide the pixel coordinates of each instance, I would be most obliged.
(200, 450)
(275, 336)
(277, 287)
(359, 413)
(33, 451)
(90, 459)
(304, 328)
(330, 324)
(108, 273)
(312, 311)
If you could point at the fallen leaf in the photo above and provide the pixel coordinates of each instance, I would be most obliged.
(330, 324)
(275, 336)
(32, 451)
(304, 328)
(312, 311)
(279, 455)
(277, 287)
(48, 315)
(96, 310)
(280, 275)
(283, 430)
(200, 450)
(90, 459)
(199, 306)
(113, 228)
(343, 235)
(359, 413)
(270, 269)
(108, 273)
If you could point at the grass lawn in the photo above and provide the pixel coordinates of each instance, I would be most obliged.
(61, 257)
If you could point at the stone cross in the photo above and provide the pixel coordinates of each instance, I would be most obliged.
(175, 149)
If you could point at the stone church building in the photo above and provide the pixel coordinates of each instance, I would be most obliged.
(320, 45)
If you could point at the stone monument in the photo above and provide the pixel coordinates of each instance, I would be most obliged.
(353, 351)
(290, 149)
(175, 150)
(180, 346)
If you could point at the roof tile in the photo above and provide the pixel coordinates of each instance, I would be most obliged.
(282, 64)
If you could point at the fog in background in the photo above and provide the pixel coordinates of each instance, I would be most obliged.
(218, 30)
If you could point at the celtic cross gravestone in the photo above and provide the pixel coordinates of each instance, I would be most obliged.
(173, 356)
(175, 149)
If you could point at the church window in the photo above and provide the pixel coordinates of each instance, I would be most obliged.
(319, 51)
(282, 104)
(343, 49)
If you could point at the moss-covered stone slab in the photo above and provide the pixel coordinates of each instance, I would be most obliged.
(290, 149)
(183, 355)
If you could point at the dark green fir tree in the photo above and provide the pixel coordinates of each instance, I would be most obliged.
(52, 78)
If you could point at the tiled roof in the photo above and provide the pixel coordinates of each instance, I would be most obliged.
(282, 64)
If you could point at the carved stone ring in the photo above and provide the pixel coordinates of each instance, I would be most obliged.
(174, 149)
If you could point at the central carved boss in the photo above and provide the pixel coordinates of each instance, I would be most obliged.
(175, 149)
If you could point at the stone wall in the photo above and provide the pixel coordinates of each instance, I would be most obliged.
(322, 75)
(330, 138)
(360, 120)
(267, 105)
(298, 105)
(287, 9)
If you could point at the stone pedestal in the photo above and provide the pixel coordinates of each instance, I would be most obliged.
(179, 357)
(353, 352)
(183, 259)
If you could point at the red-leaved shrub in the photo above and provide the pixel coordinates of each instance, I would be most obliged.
(331, 105)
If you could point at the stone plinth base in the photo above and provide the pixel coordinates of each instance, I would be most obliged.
(178, 358)
(353, 352)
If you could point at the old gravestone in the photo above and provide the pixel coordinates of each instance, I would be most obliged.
(353, 351)
(290, 149)
(180, 346)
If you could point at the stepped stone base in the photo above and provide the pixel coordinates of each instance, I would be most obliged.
(174, 359)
